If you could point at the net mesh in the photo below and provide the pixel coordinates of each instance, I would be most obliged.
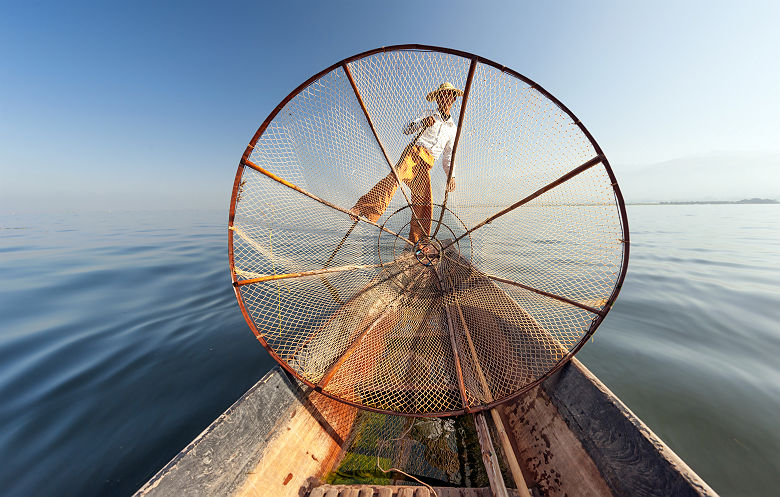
(413, 299)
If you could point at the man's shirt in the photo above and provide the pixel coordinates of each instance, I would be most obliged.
(437, 138)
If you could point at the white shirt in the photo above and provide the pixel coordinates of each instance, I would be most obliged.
(438, 138)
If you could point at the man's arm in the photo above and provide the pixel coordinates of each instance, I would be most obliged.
(422, 122)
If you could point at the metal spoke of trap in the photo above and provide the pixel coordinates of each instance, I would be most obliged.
(331, 371)
(464, 102)
(566, 177)
(588, 308)
(362, 292)
(379, 142)
(314, 272)
(298, 189)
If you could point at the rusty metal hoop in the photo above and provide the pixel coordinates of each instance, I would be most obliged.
(471, 331)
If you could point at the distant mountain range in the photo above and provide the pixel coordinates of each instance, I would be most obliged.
(743, 201)
(724, 177)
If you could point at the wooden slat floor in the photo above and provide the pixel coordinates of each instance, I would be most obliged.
(400, 491)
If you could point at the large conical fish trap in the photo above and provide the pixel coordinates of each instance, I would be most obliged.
(413, 303)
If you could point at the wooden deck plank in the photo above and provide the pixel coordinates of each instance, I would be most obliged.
(554, 457)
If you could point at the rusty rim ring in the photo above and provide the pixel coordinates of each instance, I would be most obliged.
(475, 58)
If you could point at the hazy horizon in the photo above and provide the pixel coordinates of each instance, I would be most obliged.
(724, 176)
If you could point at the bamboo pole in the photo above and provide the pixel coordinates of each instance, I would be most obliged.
(456, 357)
(489, 457)
(506, 445)
(454, 345)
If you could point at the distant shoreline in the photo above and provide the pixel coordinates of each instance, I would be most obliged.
(708, 202)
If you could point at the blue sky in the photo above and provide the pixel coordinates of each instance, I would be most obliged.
(150, 104)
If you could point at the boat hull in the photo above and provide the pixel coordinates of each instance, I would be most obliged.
(571, 434)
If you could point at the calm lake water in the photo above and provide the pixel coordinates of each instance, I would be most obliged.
(120, 340)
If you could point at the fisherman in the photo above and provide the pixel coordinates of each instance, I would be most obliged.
(436, 136)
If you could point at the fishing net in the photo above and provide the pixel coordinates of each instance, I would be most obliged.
(421, 299)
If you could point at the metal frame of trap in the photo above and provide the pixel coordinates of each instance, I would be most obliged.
(489, 456)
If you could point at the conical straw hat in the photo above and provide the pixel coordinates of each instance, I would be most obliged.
(446, 86)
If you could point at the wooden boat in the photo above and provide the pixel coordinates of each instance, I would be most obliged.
(571, 435)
